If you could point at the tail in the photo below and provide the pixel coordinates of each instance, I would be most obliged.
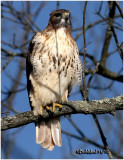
(48, 133)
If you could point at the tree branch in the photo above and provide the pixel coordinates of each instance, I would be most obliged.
(84, 90)
(103, 71)
(108, 34)
(73, 107)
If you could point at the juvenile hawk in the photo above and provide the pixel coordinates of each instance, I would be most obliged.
(53, 68)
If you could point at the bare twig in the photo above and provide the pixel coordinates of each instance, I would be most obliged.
(117, 4)
(15, 46)
(108, 34)
(103, 137)
(11, 109)
(117, 43)
(10, 19)
(93, 73)
(100, 7)
(93, 24)
(75, 126)
(12, 53)
(30, 21)
(4, 67)
(85, 50)
(106, 73)
(102, 88)
(57, 4)
(15, 91)
(36, 13)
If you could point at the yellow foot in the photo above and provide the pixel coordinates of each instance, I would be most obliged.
(56, 105)
(47, 108)
(41, 110)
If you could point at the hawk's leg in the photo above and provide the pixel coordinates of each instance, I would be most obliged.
(56, 105)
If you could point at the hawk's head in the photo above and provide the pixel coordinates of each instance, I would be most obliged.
(60, 18)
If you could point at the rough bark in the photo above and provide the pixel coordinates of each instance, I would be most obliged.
(73, 107)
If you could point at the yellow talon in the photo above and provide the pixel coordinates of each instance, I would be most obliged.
(41, 110)
(47, 108)
(56, 105)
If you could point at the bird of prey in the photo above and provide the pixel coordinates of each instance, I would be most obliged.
(53, 67)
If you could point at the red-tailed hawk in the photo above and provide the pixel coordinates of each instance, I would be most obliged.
(53, 68)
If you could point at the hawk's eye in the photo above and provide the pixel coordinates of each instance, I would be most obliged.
(57, 14)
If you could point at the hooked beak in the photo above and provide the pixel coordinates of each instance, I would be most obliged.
(66, 15)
